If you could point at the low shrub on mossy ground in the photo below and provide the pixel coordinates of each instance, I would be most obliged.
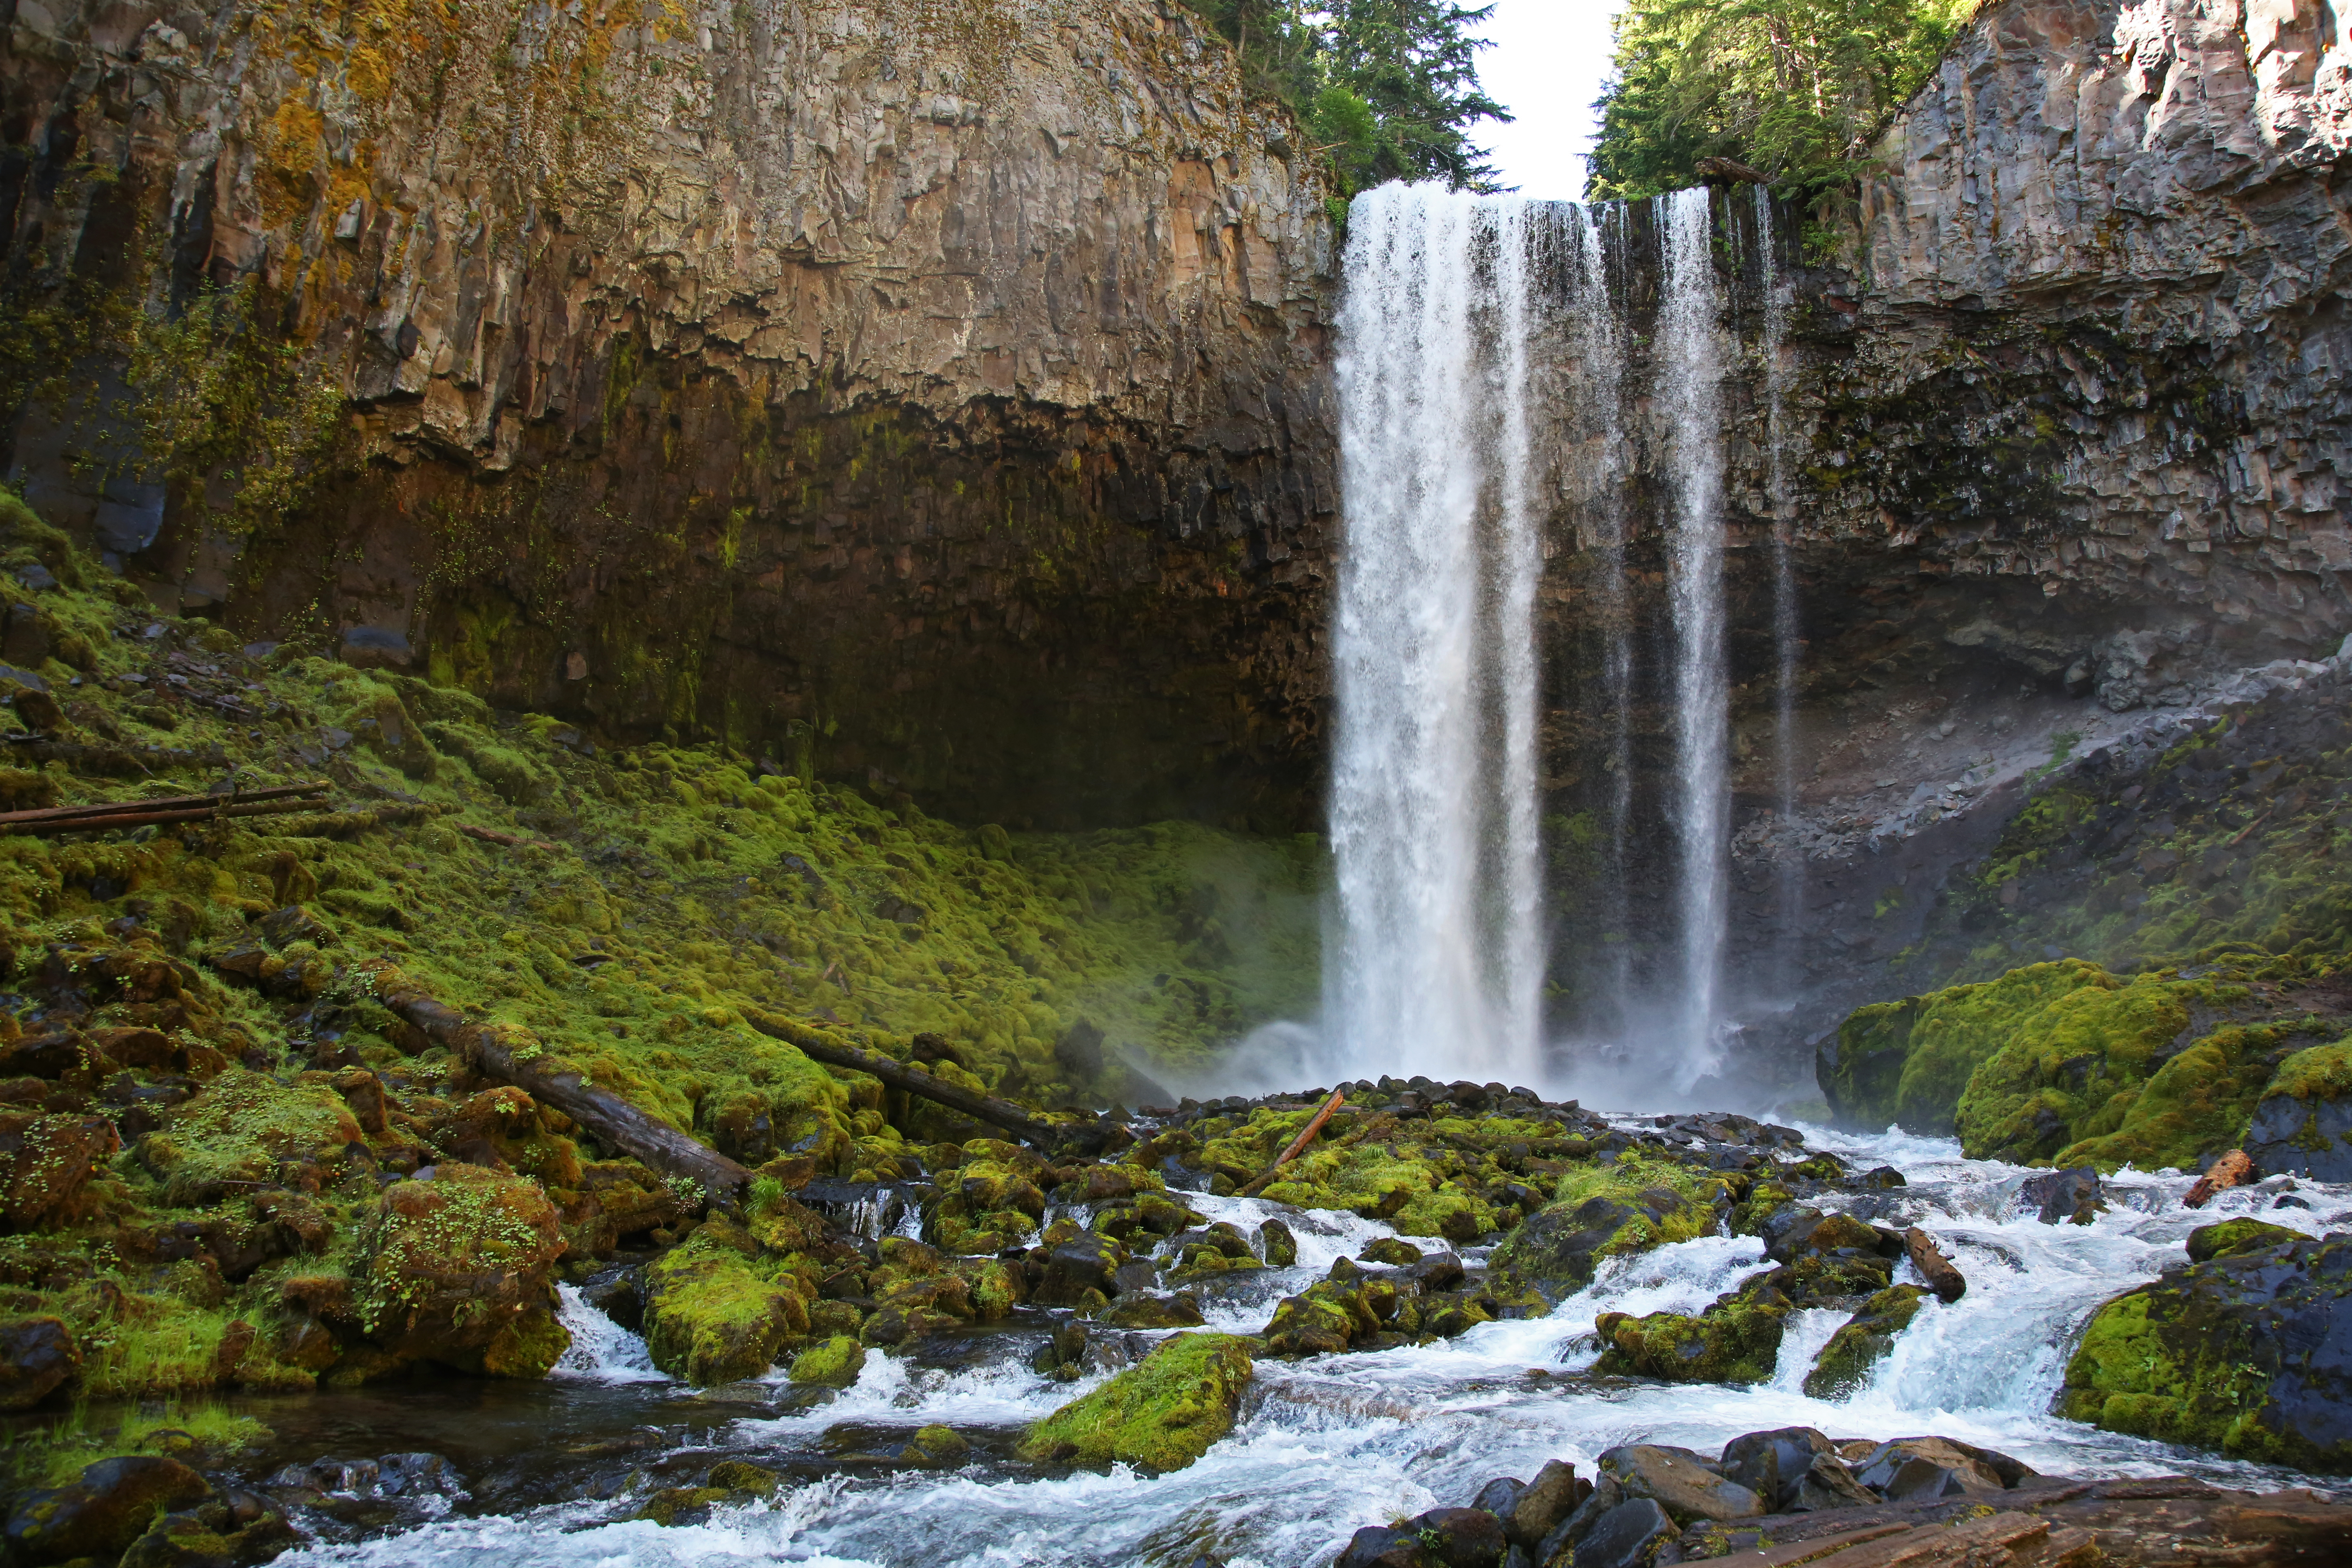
(1162, 1413)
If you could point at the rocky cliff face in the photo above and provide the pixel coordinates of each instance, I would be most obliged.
(2062, 437)
(933, 389)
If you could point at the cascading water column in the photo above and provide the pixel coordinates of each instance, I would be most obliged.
(1689, 374)
(1436, 964)
(1785, 644)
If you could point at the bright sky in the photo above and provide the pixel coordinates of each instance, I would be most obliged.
(1547, 66)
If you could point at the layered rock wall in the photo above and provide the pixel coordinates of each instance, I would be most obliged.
(923, 387)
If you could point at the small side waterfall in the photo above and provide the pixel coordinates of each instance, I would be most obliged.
(1691, 360)
(1787, 644)
(1436, 964)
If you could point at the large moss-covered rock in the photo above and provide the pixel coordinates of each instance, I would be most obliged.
(2063, 1062)
(1846, 1362)
(247, 1128)
(2303, 1123)
(1606, 1210)
(1905, 1063)
(458, 1269)
(1162, 1413)
(714, 1315)
(1737, 1340)
(2247, 1352)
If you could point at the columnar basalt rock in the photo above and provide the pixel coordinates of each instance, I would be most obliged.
(932, 388)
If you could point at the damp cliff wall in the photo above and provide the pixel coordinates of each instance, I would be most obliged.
(924, 389)
(2066, 431)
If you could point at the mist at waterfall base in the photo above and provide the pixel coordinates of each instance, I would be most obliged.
(1490, 353)
(1322, 1446)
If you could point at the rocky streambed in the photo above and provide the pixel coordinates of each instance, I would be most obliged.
(1518, 1394)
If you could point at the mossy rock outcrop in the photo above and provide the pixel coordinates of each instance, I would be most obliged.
(1737, 1340)
(458, 1269)
(1905, 1063)
(1162, 1413)
(714, 1315)
(1610, 1209)
(2245, 1354)
(2065, 1063)
(1844, 1363)
(2303, 1122)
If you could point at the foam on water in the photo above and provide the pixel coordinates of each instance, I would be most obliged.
(1328, 1444)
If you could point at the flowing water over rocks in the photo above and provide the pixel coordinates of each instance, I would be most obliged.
(1323, 1446)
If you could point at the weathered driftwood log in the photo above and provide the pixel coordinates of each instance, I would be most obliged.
(1306, 1136)
(512, 1055)
(2232, 1170)
(1091, 1137)
(106, 815)
(1942, 1276)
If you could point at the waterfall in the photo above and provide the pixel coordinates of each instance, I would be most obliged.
(1786, 647)
(1598, 376)
(1688, 388)
(1436, 964)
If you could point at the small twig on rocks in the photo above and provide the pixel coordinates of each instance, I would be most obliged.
(1306, 1136)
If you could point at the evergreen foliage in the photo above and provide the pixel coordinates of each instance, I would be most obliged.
(1388, 88)
(1799, 89)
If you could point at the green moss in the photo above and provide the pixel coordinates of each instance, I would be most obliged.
(1906, 1063)
(1162, 1413)
(1862, 1341)
(2058, 1076)
(2232, 1236)
(833, 1364)
(714, 1316)
(2317, 1073)
(236, 1134)
(1737, 1340)
(2206, 1356)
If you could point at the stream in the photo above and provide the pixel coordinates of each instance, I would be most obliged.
(549, 1472)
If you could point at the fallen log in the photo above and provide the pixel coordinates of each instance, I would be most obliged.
(1091, 1137)
(1306, 1136)
(515, 1056)
(1942, 1276)
(102, 815)
(2232, 1170)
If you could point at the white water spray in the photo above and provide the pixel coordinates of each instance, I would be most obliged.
(1689, 383)
(1437, 962)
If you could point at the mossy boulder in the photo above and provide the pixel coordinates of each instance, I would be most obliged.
(1610, 1209)
(1862, 1341)
(459, 1269)
(45, 1165)
(714, 1315)
(245, 1129)
(2232, 1236)
(99, 1515)
(835, 1363)
(1737, 1340)
(1162, 1413)
(1905, 1063)
(2060, 1062)
(2303, 1122)
(2245, 1354)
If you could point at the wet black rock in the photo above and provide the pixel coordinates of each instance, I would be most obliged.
(1627, 1536)
(1084, 1264)
(1382, 1546)
(37, 1354)
(1926, 1470)
(2072, 1197)
(1687, 1485)
(1460, 1537)
(1794, 1469)
(1281, 1248)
